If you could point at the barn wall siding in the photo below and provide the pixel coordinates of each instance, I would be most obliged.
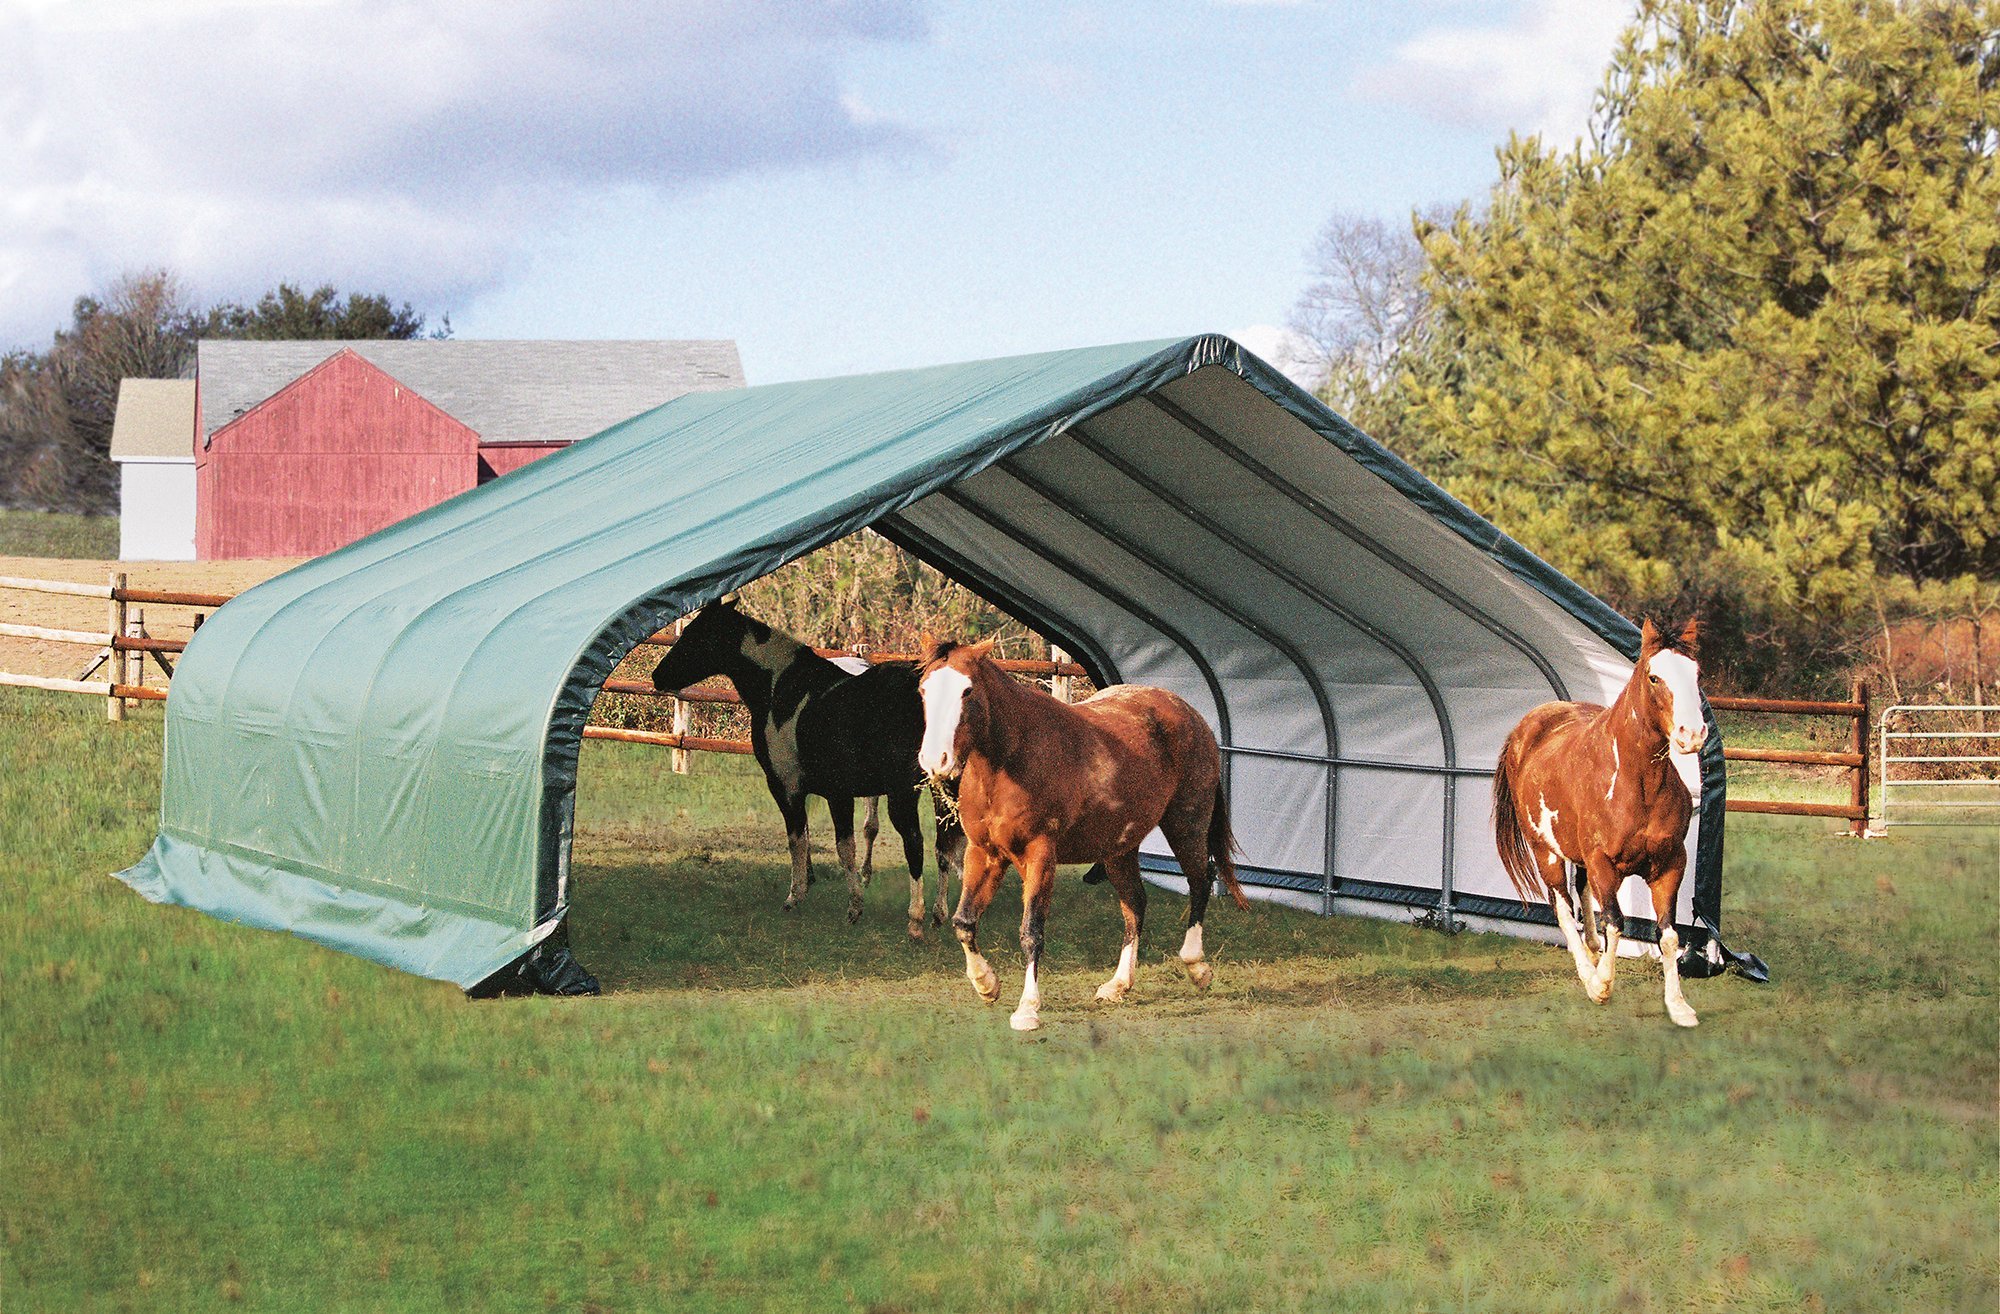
(338, 454)
(505, 458)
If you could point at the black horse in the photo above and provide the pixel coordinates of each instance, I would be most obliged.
(818, 729)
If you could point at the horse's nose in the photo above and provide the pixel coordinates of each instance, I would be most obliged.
(1691, 740)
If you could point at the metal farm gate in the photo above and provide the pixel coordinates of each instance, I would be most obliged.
(1972, 776)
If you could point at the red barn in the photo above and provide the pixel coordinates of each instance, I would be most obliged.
(303, 447)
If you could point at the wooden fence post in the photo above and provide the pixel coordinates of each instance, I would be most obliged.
(1059, 684)
(1858, 743)
(135, 661)
(680, 760)
(114, 706)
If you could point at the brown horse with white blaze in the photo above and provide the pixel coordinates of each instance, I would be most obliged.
(1613, 790)
(1042, 782)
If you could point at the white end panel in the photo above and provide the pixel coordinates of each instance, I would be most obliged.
(156, 510)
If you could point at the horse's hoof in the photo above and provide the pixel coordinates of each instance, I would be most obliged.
(916, 928)
(791, 905)
(986, 986)
(1112, 992)
(1201, 974)
(1599, 994)
(854, 912)
(1025, 1021)
(937, 917)
(1683, 1016)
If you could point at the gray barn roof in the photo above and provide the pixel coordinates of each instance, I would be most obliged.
(155, 420)
(505, 391)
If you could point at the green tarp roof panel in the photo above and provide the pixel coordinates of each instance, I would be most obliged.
(377, 750)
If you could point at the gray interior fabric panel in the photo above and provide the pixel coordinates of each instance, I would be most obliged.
(1142, 653)
(1584, 663)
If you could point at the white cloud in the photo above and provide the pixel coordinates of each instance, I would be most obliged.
(401, 145)
(1535, 71)
(1279, 347)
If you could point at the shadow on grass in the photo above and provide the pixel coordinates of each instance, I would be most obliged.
(688, 908)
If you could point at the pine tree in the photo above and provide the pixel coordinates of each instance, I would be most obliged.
(1744, 342)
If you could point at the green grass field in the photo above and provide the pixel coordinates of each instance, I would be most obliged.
(47, 534)
(783, 1112)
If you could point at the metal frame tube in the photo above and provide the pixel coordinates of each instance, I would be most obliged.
(1278, 642)
(1223, 535)
(1360, 538)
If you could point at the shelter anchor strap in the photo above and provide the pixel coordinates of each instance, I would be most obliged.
(547, 969)
(1714, 958)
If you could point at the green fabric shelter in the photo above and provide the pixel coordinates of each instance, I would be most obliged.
(377, 750)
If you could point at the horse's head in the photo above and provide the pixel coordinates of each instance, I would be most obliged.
(955, 707)
(708, 645)
(1670, 693)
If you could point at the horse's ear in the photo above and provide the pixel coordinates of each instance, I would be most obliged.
(1690, 640)
(1649, 638)
(934, 649)
(981, 649)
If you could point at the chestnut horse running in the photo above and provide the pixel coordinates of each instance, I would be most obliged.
(1042, 782)
(1613, 789)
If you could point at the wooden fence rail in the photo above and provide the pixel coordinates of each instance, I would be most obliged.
(125, 642)
(1855, 759)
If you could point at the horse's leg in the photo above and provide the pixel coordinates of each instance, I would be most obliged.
(982, 877)
(1123, 873)
(951, 862)
(1190, 845)
(842, 809)
(869, 830)
(1038, 878)
(1586, 909)
(1665, 889)
(1603, 890)
(1556, 877)
(793, 809)
(903, 816)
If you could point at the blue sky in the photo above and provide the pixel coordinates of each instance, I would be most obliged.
(859, 185)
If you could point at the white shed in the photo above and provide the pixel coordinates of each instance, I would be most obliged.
(152, 442)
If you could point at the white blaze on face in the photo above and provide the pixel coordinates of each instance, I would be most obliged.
(943, 692)
(1679, 673)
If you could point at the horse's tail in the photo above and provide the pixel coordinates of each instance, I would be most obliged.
(1222, 847)
(1515, 855)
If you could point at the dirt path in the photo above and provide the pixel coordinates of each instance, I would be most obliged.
(59, 611)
